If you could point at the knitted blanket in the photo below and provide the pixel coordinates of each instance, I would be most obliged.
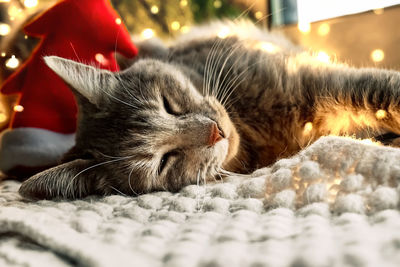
(333, 204)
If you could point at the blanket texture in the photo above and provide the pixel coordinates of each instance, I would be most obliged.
(336, 203)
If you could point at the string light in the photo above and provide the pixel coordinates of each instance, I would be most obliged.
(377, 55)
(12, 62)
(324, 29)
(30, 3)
(323, 57)
(26, 37)
(185, 29)
(4, 29)
(304, 27)
(223, 33)
(380, 114)
(175, 25)
(18, 108)
(3, 54)
(308, 128)
(183, 3)
(258, 15)
(118, 21)
(154, 9)
(147, 33)
(217, 4)
(14, 11)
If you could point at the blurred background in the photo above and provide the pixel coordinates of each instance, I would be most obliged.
(363, 33)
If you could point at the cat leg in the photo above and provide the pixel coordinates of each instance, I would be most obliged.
(349, 101)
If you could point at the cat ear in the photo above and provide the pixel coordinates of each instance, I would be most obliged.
(66, 181)
(92, 83)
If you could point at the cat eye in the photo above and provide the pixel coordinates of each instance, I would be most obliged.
(168, 108)
(164, 160)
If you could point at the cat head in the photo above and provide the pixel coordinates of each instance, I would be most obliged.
(143, 129)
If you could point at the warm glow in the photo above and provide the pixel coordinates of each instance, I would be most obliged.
(323, 57)
(101, 59)
(30, 3)
(223, 33)
(4, 1)
(147, 33)
(3, 54)
(324, 29)
(3, 117)
(308, 127)
(12, 62)
(183, 3)
(268, 47)
(258, 15)
(380, 114)
(185, 29)
(154, 9)
(378, 11)
(4, 29)
(118, 21)
(175, 25)
(377, 55)
(14, 11)
(18, 108)
(217, 3)
(304, 27)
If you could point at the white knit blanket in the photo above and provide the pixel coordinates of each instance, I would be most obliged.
(333, 204)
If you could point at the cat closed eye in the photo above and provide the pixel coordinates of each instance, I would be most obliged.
(164, 160)
(168, 108)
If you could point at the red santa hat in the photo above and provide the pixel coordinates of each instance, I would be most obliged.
(88, 31)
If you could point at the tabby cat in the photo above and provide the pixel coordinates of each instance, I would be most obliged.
(206, 105)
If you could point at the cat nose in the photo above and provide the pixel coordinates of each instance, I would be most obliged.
(215, 134)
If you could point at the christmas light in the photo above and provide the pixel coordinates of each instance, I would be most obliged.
(30, 3)
(258, 15)
(217, 3)
(12, 62)
(223, 33)
(154, 9)
(304, 27)
(380, 114)
(4, 29)
(185, 29)
(377, 55)
(14, 11)
(324, 29)
(18, 108)
(323, 57)
(268, 47)
(3, 54)
(101, 59)
(118, 21)
(175, 25)
(147, 33)
(26, 37)
(183, 3)
(308, 128)
(3, 117)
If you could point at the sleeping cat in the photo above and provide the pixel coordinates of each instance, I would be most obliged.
(206, 105)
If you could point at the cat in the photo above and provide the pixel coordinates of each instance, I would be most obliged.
(206, 105)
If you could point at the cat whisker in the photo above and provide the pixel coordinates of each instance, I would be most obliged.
(129, 182)
(118, 191)
(68, 187)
